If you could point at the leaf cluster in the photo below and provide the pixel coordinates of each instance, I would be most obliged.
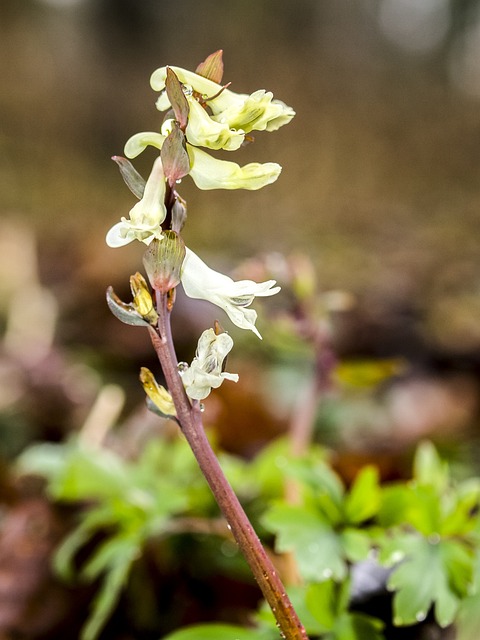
(425, 532)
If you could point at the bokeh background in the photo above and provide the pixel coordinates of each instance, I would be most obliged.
(380, 181)
(380, 189)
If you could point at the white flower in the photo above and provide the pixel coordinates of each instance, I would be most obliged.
(205, 373)
(146, 216)
(208, 172)
(258, 111)
(199, 281)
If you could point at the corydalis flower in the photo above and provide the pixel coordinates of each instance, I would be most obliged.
(208, 172)
(206, 371)
(242, 112)
(146, 217)
(201, 282)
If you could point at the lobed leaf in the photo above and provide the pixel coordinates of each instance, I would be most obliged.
(318, 548)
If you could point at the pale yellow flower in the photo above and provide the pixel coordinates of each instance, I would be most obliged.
(208, 172)
(256, 112)
(146, 216)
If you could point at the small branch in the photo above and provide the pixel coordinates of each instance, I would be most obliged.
(190, 420)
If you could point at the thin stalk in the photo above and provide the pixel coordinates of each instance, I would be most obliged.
(190, 420)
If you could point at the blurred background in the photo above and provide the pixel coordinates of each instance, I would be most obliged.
(380, 191)
(380, 185)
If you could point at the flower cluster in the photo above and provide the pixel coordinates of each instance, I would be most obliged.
(200, 112)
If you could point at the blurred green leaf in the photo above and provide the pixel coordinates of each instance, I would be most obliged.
(220, 632)
(318, 548)
(363, 500)
(114, 559)
(428, 468)
(468, 619)
(430, 572)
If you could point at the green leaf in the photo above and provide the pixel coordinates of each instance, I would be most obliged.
(429, 468)
(44, 459)
(218, 632)
(356, 544)
(468, 619)
(363, 500)
(326, 488)
(87, 474)
(63, 560)
(115, 557)
(320, 599)
(463, 515)
(318, 548)
(419, 506)
(432, 572)
(357, 626)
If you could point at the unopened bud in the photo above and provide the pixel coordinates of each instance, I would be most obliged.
(212, 67)
(163, 261)
(179, 214)
(157, 394)
(142, 298)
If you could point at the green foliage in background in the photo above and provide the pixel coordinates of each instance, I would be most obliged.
(425, 531)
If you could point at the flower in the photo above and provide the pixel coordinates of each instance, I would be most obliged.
(203, 131)
(208, 172)
(146, 216)
(201, 282)
(256, 112)
(206, 371)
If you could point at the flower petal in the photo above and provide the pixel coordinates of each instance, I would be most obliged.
(205, 132)
(258, 112)
(201, 282)
(206, 371)
(140, 141)
(210, 173)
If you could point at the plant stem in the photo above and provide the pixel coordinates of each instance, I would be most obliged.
(190, 420)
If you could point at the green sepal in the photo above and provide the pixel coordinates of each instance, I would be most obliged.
(124, 312)
(130, 175)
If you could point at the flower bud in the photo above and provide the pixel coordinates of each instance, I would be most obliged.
(157, 394)
(163, 261)
(179, 214)
(212, 67)
(142, 299)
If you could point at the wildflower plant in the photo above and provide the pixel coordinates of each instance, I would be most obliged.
(199, 113)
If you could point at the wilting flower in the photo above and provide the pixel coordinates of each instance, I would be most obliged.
(206, 371)
(146, 216)
(199, 281)
(208, 172)
(256, 112)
